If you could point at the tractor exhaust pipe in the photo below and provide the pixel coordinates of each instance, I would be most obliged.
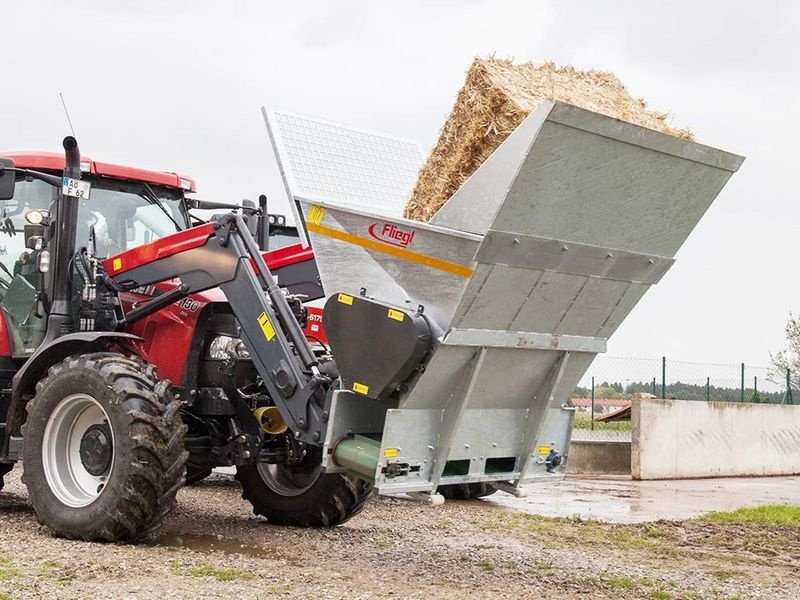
(60, 321)
(72, 158)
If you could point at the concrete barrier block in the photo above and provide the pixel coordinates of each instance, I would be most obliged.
(680, 439)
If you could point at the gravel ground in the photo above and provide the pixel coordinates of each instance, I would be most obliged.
(212, 547)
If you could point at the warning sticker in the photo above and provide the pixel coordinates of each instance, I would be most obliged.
(266, 326)
(360, 388)
(395, 314)
(117, 264)
(345, 299)
(543, 450)
(390, 453)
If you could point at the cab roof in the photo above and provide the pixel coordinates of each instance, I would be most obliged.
(53, 161)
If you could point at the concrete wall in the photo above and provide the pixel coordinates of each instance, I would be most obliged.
(596, 458)
(679, 439)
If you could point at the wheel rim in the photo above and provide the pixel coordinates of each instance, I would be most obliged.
(72, 427)
(288, 482)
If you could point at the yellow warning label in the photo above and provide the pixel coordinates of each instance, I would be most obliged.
(266, 326)
(117, 264)
(360, 388)
(345, 299)
(390, 453)
(395, 314)
(543, 450)
(315, 214)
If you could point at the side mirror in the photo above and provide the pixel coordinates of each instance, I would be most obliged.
(7, 179)
(250, 216)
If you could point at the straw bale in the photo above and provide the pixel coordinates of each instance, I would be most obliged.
(495, 99)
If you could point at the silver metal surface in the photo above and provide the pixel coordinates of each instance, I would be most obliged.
(354, 414)
(343, 165)
(64, 471)
(427, 266)
(490, 338)
(531, 252)
(524, 274)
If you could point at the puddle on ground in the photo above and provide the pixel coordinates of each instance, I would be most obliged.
(199, 542)
(628, 501)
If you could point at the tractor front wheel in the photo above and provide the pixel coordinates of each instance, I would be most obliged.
(302, 495)
(103, 456)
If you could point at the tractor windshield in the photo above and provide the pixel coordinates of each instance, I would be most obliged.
(124, 214)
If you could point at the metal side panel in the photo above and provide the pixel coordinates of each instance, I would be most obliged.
(594, 180)
(487, 442)
(402, 262)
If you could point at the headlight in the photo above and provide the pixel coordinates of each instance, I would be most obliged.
(224, 347)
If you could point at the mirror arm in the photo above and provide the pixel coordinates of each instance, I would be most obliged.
(53, 180)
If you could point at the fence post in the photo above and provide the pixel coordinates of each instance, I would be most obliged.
(708, 389)
(591, 419)
(663, 377)
(654, 387)
(755, 386)
(787, 396)
(741, 395)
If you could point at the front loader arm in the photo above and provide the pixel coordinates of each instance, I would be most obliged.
(223, 254)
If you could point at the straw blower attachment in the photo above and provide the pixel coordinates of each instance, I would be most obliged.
(458, 341)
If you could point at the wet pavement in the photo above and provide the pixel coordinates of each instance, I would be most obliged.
(622, 500)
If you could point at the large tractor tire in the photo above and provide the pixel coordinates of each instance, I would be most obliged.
(466, 491)
(302, 496)
(103, 456)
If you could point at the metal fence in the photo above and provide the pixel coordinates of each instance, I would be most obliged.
(612, 382)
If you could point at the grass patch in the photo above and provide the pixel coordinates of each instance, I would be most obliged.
(485, 565)
(771, 514)
(207, 570)
(722, 574)
(573, 530)
(584, 421)
(7, 571)
(659, 595)
(5, 597)
(621, 583)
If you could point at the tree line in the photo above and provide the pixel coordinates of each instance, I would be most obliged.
(679, 391)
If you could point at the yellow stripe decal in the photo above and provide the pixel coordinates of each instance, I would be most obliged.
(408, 255)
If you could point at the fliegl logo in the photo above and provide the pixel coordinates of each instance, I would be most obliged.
(391, 234)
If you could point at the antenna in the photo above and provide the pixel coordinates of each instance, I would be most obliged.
(66, 112)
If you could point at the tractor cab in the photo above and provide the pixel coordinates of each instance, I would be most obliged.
(123, 208)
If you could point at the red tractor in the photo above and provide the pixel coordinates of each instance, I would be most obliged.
(131, 362)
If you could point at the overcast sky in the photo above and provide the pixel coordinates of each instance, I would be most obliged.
(178, 86)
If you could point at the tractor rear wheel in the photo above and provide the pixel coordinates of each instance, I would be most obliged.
(466, 491)
(302, 495)
(103, 456)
